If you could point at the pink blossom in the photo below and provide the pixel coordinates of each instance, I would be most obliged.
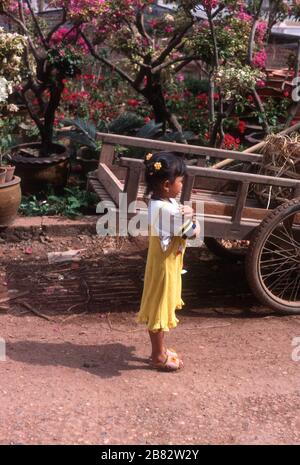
(259, 59)
(169, 29)
(260, 83)
(209, 4)
(260, 32)
(244, 16)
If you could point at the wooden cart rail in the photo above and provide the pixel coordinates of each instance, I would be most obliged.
(233, 217)
(233, 227)
(109, 140)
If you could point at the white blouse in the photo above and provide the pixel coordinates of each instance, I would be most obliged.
(167, 221)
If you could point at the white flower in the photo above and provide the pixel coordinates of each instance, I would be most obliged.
(12, 107)
(3, 89)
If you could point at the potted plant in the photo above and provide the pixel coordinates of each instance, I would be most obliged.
(11, 47)
(48, 59)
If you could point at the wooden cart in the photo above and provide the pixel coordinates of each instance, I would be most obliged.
(273, 255)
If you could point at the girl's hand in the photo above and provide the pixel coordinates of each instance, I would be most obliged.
(186, 210)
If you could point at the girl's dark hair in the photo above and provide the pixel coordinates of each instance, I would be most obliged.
(160, 167)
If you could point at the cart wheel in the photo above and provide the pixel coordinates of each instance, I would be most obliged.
(273, 259)
(230, 251)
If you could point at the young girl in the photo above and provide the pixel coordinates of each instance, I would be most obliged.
(170, 224)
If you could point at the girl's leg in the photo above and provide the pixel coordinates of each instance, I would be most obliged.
(158, 350)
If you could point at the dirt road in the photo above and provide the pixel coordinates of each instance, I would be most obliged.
(85, 379)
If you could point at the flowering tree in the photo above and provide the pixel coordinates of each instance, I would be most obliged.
(49, 58)
(150, 49)
(228, 36)
(231, 44)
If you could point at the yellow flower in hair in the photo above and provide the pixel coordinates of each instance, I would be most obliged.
(148, 156)
(157, 165)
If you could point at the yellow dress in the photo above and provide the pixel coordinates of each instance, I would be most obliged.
(162, 284)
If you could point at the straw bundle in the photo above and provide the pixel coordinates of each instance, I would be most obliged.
(281, 158)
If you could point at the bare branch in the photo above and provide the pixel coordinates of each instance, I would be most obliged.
(253, 30)
(260, 107)
(186, 59)
(140, 24)
(35, 20)
(214, 39)
(107, 62)
(217, 11)
(174, 42)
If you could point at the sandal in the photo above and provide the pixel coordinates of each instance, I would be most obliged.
(170, 352)
(172, 363)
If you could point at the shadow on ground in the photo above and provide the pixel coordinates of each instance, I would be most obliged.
(106, 360)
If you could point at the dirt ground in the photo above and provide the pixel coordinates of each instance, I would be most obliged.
(76, 369)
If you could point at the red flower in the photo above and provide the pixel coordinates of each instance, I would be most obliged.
(241, 126)
(230, 142)
(133, 102)
(286, 93)
(153, 23)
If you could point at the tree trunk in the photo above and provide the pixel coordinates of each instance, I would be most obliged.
(47, 132)
(153, 92)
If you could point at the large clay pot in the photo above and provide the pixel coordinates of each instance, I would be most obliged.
(37, 172)
(10, 199)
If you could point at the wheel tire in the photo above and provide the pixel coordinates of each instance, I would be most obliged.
(255, 251)
(228, 255)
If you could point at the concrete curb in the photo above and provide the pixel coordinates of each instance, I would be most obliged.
(32, 227)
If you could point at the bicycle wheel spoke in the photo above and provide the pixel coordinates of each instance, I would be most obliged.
(279, 259)
(272, 273)
(285, 289)
(295, 290)
(278, 280)
(282, 255)
(272, 260)
(290, 236)
(281, 239)
(278, 268)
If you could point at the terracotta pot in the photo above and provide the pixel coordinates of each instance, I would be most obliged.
(10, 169)
(37, 172)
(10, 199)
(2, 175)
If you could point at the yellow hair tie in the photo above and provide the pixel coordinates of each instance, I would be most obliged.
(157, 165)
